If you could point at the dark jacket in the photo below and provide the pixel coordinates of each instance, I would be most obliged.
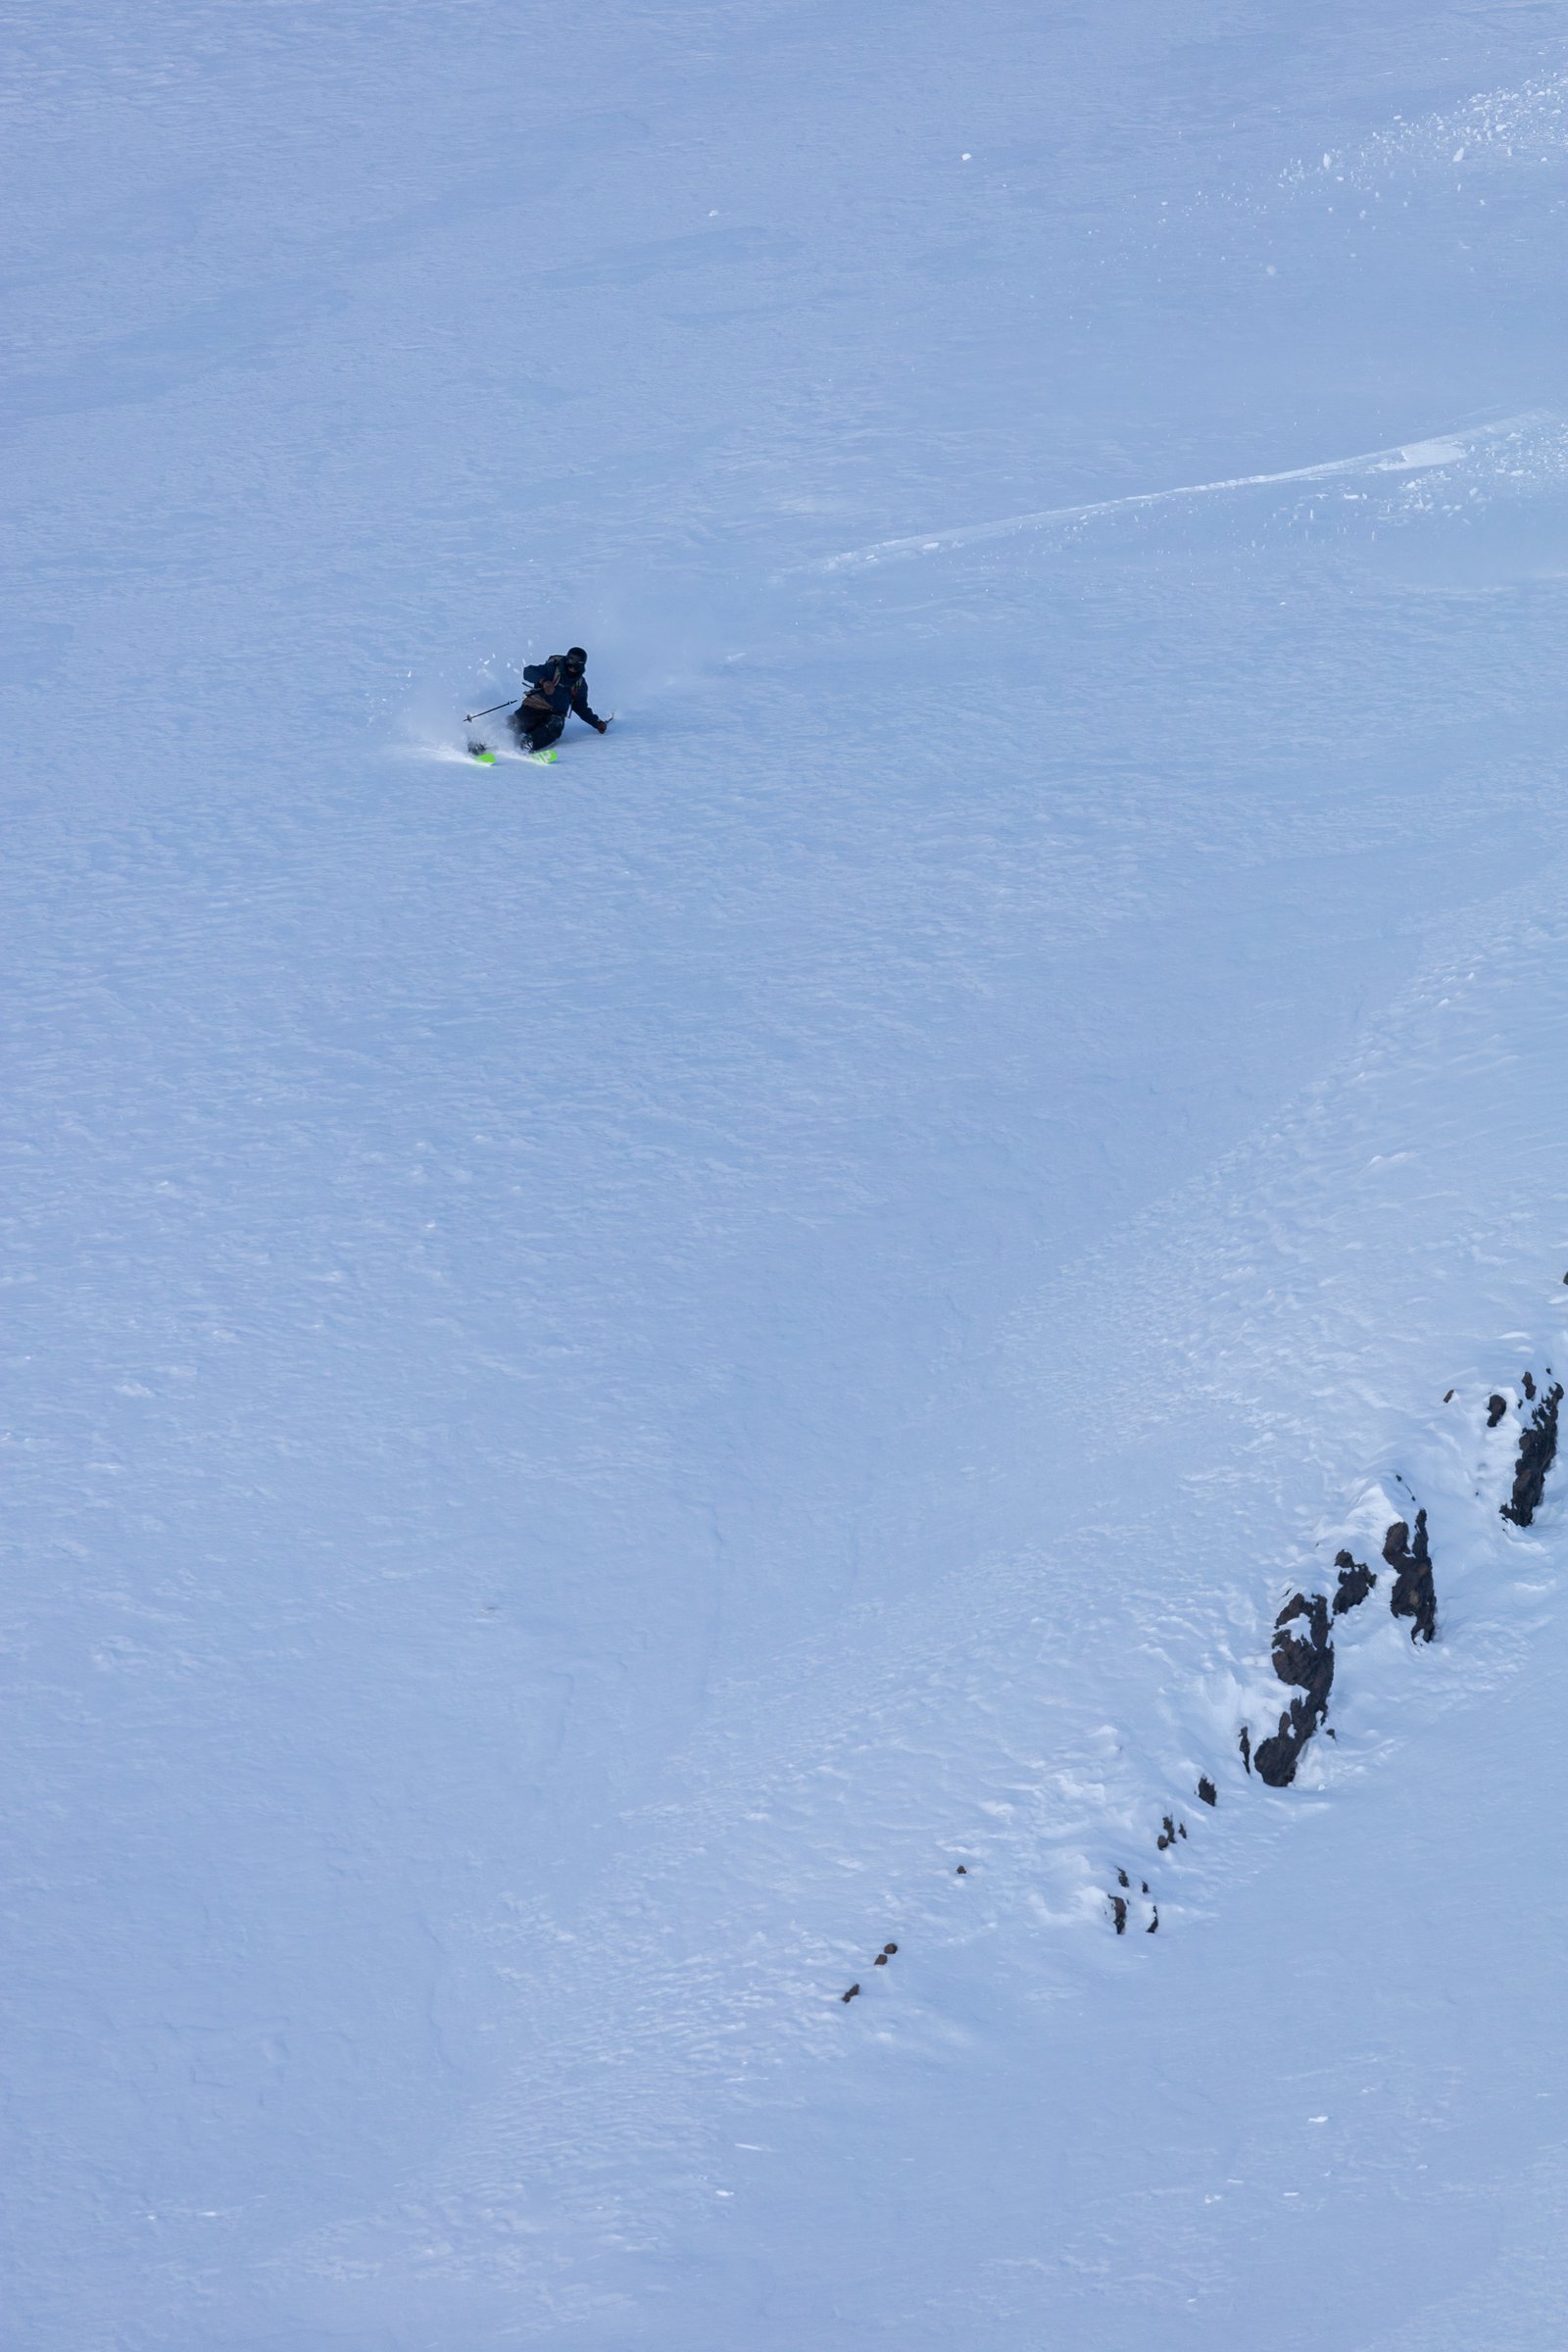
(551, 695)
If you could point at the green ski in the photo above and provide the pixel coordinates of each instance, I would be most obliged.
(487, 759)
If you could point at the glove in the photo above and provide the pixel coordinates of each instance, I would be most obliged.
(603, 724)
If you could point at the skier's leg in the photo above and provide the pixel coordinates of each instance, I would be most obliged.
(535, 730)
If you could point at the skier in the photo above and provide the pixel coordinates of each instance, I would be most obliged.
(555, 687)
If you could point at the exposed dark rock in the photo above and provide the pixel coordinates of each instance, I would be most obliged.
(1529, 1386)
(1276, 1759)
(1414, 1593)
(1118, 1912)
(1153, 1927)
(880, 1961)
(849, 1995)
(1447, 1395)
(1206, 1791)
(1356, 1580)
(1537, 1450)
(1246, 1745)
(1305, 1660)
(1181, 1828)
(1496, 1406)
(1122, 1880)
(960, 1872)
(887, 1950)
(1144, 1883)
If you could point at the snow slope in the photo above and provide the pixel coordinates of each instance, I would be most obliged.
(612, 1372)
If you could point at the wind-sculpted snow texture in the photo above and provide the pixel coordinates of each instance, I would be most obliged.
(675, 1426)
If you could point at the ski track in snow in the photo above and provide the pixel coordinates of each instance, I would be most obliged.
(1444, 452)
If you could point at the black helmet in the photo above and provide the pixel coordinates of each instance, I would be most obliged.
(577, 658)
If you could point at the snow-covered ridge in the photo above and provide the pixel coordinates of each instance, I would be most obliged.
(939, 1778)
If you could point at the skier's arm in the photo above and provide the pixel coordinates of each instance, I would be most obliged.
(579, 702)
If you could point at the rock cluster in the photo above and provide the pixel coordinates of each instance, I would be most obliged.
(1305, 1660)
(1414, 1593)
(1537, 1450)
(1303, 1647)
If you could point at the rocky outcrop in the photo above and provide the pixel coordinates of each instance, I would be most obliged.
(1356, 1580)
(1306, 1661)
(1537, 1450)
(1302, 1648)
(1414, 1595)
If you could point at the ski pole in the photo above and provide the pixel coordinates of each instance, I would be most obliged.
(473, 715)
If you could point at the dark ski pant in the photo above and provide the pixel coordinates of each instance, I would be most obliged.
(539, 737)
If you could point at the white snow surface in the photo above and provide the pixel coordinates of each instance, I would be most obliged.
(614, 1370)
